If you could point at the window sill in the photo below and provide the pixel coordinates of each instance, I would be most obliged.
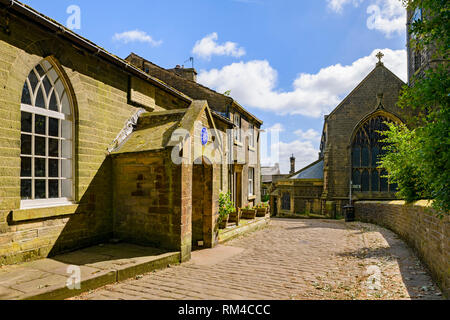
(251, 197)
(237, 143)
(252, 149)
(40, 213)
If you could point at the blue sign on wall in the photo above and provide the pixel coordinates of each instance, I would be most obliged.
(204, 136)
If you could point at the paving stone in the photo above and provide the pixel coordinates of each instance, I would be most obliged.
(292, 259)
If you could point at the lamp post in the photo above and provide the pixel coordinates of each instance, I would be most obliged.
(349, 210)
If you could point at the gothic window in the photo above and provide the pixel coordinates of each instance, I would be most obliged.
(366, 151)
(286, 201)
(46, 139)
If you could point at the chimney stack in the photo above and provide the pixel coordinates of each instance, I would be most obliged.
(186, 73)
(292, 165)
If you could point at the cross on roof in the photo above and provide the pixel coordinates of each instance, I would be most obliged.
(380, 56)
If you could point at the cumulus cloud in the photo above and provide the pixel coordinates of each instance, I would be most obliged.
(386, 16)
(309, 135)
(208, 46)
(136, 36)
(253, 84)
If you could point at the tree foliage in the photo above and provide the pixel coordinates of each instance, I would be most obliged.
(418, 158)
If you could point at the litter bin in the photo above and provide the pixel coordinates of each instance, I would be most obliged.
(349, 212)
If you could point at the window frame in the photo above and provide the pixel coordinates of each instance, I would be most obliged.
(251, 140)
(238, 123)
(64, 97)
(251, 181)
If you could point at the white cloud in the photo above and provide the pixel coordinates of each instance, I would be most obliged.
(336, 5)
(253, 84)
(136, 36)
(208, 46)
(309, 135)
(386, 16)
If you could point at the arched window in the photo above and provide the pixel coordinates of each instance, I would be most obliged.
(46, 139)
(286, 201)
(366, 151)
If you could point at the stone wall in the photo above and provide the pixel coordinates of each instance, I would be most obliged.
(99, 92)
(420, 227)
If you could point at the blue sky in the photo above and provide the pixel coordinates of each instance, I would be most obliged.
(289, 62)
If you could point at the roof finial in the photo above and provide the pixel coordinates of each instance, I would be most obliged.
(380, 56)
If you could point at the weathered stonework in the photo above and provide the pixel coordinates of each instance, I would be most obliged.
(420, 226)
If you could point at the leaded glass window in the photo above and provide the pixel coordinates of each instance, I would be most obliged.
(286, 201)
(366, 151)
(46, 139)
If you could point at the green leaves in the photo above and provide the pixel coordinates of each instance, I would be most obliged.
(226, 206)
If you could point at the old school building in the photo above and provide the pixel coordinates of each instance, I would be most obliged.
(94, 147)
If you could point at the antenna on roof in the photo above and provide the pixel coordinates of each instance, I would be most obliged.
(191, 59)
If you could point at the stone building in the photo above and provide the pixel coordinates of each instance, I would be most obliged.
(349, 151)
(93, 148)
(244, 171)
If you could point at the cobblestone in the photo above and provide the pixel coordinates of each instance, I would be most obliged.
(293, 259)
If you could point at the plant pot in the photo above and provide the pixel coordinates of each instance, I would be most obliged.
(234, 217)
(261, 212)
(223, 224)
(248, 213)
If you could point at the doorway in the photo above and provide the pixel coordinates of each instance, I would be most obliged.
(202, 209)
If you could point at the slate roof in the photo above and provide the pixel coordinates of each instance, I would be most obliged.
(313, 171)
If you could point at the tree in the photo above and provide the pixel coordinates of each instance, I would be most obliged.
(418, 159)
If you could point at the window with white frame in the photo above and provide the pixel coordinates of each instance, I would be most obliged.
(251, 181)
(237, 129)
(46, 139)
(251, 135)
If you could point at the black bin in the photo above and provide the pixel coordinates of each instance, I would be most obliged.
(349, 212)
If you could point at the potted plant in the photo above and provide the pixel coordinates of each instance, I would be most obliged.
(248, 212)
(262, 209)
(226, 207)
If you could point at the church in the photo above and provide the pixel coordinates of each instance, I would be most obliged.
(349, 152)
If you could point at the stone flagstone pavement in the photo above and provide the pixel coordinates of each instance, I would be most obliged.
(291, 259)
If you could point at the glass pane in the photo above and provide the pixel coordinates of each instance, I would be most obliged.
(39, 167)
(365, 157)
(25, 144)
(375, 154)
(66, 169)
(53, 105)
(46, 65)
(66, 129)
(375, 181)
(25, 167)
(365, 181)
(25, 189)
(39, 146)
(53, 127)
(33, 80)
(53, 168)
(356, 157)
(66, 188)
(356, 179)
(65, 106)
(40, 102)
(66, 149)
(52, 75)
(39, 124)
(53, 189)
(40, 71)
(53, 149)
(39, 189)
(26, 96)
(59, 88)
(26, 121)
(383, 182)
(47, 85)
